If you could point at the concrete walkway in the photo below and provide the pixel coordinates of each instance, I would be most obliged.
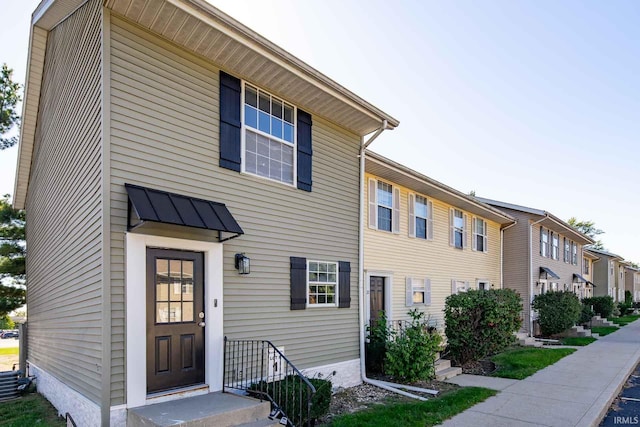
(494, 383)
(575, 391)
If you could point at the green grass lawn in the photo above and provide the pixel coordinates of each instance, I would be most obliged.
(522, 362)
(30, 410)
(11, 351)
(604, 330)
(579, 341)
(429, 413)
(625, 320)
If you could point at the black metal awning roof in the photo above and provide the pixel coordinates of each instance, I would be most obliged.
(547, 271)
(159, 206)
(581, 279)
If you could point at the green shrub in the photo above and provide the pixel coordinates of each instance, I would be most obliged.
(6, 322)
(293, 394)
(378, 334)
(625, 308)
(603, 306)
(480, 323)
(586, 314)
(628, 297)
(557, 311)
(411, 353)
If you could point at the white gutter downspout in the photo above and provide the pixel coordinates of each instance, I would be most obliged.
(363, 369)
(531, 273)
(502, 253)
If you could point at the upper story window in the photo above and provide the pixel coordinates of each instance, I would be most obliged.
(269, 132)
(555, 246)
(458, 224)
(567, 250)
(385, 206)
(479, 234)
(420, 217)
(574, 253)
(322, 283)
(611, 268)
(544, 242)
(585, 265)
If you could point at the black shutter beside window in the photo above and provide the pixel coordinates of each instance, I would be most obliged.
(344, 284)
(298, 283)
(230, 125)
(305, 152)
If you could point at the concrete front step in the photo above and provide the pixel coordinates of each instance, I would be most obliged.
(261, 423)
(213, 409)
(442, 364)
(445, 374)
(529, 342)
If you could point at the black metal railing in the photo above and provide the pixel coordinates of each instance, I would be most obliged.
(259, 369)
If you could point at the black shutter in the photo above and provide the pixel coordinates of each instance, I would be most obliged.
(344, 284)
(298, 283)
(305, 152)
(230, 156)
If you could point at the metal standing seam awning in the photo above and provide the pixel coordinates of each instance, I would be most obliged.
(150, 205)
(583, 280)
(548, 273)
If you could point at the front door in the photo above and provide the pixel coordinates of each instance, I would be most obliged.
(376, 298)
(175, 319)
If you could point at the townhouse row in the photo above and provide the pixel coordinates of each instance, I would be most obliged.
(186, 180)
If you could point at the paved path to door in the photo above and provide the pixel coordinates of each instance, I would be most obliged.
(575, 391)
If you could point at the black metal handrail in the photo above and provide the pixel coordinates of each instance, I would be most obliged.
(259, 369)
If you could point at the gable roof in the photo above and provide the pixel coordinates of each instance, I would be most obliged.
(385, 168)
(204, 30)
(546, 218)
(604, 253)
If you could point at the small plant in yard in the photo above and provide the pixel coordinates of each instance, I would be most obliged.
(557, 311)
(603, 306)
(429, 413)
(412, 352)
(604, 330)
(522, 362)
(480, 323)
(378, 335)
(586, 314)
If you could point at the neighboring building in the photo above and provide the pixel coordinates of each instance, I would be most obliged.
(588, 259)
(606, 273)
(632, 282)
(541, 253)
(152, 132)
(424, 241)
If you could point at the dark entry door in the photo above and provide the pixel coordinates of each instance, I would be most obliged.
(175, 319)
(376, 297)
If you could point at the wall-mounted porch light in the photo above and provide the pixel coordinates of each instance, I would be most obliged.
(243, 264)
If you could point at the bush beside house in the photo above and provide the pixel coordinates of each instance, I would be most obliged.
(479, 323)
(603, 306)
(557, 311)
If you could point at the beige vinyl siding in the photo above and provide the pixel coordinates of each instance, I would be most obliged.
(64, 211)
(406, 256)
(164, 135)
(601, 276)
(515, 264)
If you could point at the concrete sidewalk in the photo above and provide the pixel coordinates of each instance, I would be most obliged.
(575, 391)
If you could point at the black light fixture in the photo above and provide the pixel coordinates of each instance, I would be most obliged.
(243, 264)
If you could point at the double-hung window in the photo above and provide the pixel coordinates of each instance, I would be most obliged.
(418, 291)
(544, 242)
(385, 206)
(567, 250)
(269, 132)
(555, 246)
(322, 283)
(585, 265)
(458, 225)
(479, 235)
(574, 253)
(420, 217)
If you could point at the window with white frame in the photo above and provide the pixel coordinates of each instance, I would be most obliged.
(479, 235)
(458, 228)
(269, 135)
(418, 291)
(458, 286)
(567, 250)
(611, 268)
(574, 253)
(385, 205)
(322, 279)
(544, 242)
(555, 246)
(484, 285)
(585, 265)
(553, 286)
(422, 219)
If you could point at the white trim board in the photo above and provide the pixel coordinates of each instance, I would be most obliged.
(136, 352)
(388, 293)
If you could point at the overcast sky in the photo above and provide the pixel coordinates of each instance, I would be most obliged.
(535, 103)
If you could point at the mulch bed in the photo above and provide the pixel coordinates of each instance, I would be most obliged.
(479, 367)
